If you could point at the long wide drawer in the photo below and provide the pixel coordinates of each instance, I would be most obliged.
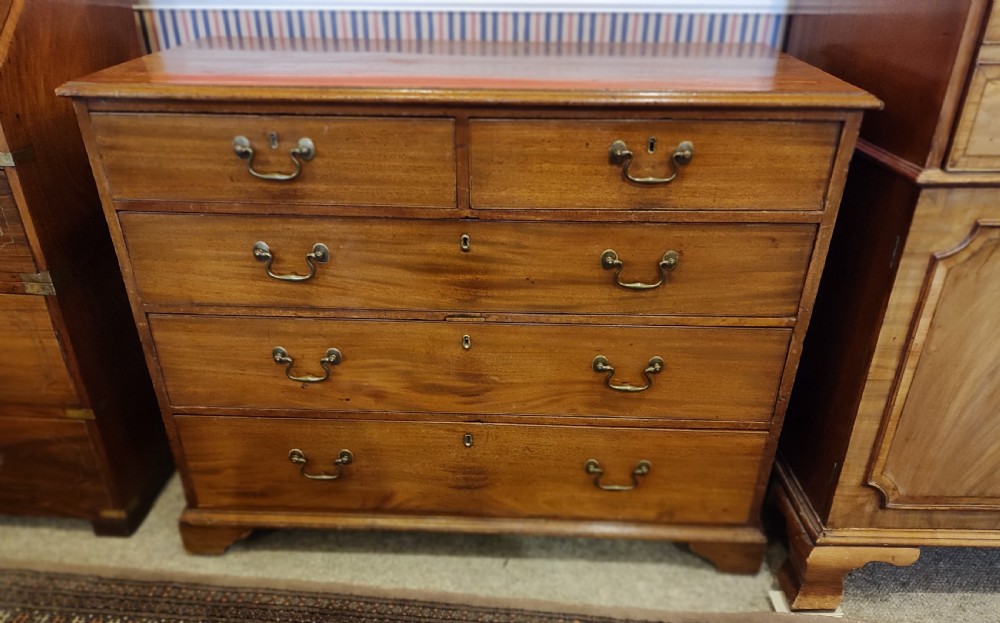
(462, 367)
(355, 160)
(569, 164)
(32, 366)
(718, 270)
(49, 467)
(688, 477)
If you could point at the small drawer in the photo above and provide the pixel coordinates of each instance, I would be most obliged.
(15, 254)
(568, 164)
(355, 160)
(461, 367)
(975, 146)
(32, 367)
(49, 467)
(492, 470)
(471, 266)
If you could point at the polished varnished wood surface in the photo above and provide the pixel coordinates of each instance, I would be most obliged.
(564, 164)
(507, 471)
(204, 259)
(483, 307)
(33, 368)
(368, 161)
(946, 222)
(15, 252)
(904, 52)
(948, 392)
(72, 378)
(975, 147)
(49, 467)
(899, 382)
(524, 73)
(541, 369)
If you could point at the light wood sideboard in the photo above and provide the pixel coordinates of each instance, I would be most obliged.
(80, 430)
(892, 439)
(472, 287)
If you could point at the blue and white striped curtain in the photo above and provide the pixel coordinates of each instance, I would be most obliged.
(167, 28)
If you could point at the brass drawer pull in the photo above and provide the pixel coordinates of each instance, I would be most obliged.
(610, 261)
(298, 457)
(601, 364)
(333, 358)
(619, 154)
(320, 253)
(305, 150)
(593, 467)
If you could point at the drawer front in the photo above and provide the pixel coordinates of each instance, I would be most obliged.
(48, 467)
(735, 165)
(406, 366)
(975, 146)
(32, 367)
(528, 267)
(694, 477)
(15, 254)
(357, 160)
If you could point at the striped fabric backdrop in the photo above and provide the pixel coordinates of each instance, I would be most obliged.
(167, 28)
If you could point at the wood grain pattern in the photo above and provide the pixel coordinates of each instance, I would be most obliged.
(941, 442)
(544, 369)
(15, 253)
(736, 165)
(510, 266)
(813, 575)
(368, 161)
(976, 146)
(705, 75)
(49, 467)
(450, 338)
(508, 471)
(75, 350)
(911, 54)
(33, 366)
(944, 217)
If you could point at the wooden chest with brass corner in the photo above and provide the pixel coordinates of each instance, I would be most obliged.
(453, 290)
(892, 440)
(80, 429)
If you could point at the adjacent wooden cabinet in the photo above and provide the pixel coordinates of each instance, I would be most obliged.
(79, 429)
(892, 439)
(563, 296)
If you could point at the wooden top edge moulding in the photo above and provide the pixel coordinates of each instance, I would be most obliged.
(714, 75)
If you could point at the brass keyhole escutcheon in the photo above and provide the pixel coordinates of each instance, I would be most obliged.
(466, 342)
(467, 440)
(465, 243)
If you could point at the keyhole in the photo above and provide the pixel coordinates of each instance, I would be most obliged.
(273, 139)
(651, 144)
(467, 440)
(466, 342)
(465, 243)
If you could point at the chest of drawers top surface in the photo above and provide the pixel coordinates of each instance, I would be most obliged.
(477, 72)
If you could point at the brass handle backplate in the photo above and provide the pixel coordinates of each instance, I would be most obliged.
(281, 357)
(298, 457)
(593, 467)
(320, 254)
(601, 364)
(305, 150)
(620, 155)
(610, 261)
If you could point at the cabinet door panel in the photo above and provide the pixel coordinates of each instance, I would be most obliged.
(941, 447)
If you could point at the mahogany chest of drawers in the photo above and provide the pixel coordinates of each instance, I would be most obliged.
(472, 287)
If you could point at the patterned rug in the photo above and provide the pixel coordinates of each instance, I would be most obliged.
(31, 596)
